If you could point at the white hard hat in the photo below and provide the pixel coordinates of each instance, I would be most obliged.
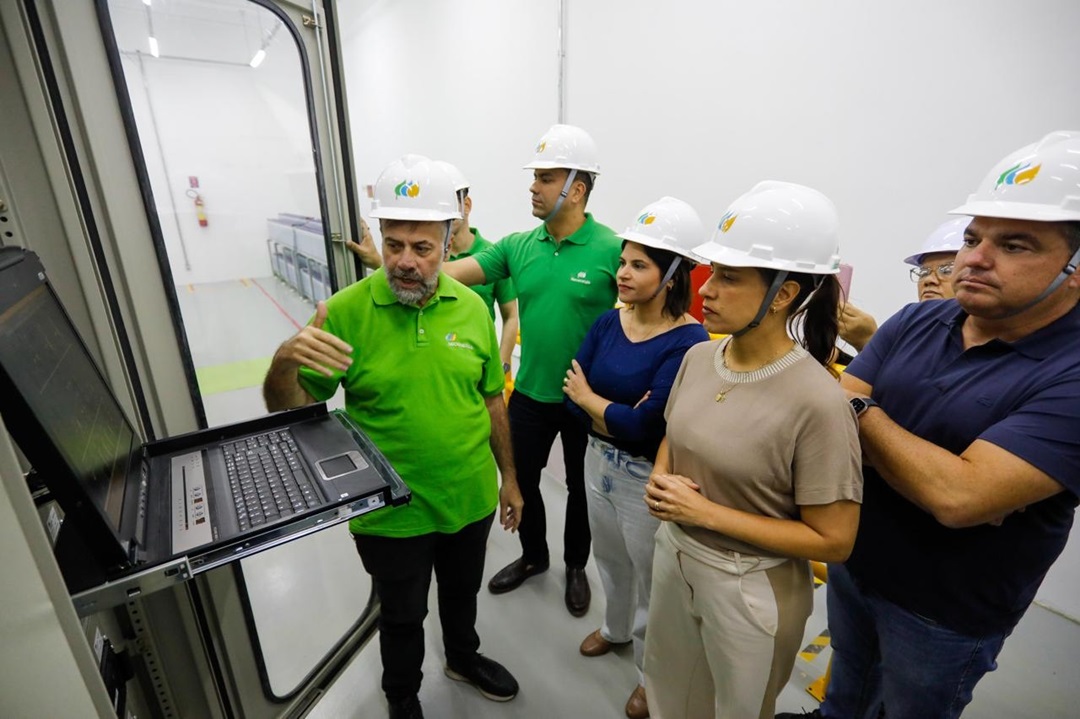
(566, 147)
(1039, 182)
(460, 183)
(780, 226)
(667, 224)
(948, 237)
(414, 188)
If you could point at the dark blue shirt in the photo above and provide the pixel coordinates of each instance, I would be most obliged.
(622, 371)
(1022, 396)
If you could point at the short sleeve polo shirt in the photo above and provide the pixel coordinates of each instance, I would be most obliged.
(1021, 396)
(562, 289)
(417, 386)
(501, 291)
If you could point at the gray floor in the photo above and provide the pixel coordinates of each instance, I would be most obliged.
(310, 590)
(530, 631)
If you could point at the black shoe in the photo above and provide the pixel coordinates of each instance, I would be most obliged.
(407, 708)
(488, 676)
(578, 594)
(816, 714)
(513, 574)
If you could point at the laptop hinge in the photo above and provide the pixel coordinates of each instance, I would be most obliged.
(121, 590)
(136, 548)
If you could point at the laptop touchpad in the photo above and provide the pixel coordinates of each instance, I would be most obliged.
(341, 465)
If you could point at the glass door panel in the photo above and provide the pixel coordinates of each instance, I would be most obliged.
(220, 106)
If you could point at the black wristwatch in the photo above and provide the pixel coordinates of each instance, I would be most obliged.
(506, 367)
(861, 404)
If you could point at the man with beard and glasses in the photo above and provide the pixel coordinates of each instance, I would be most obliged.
(968, 420)
(417, 355)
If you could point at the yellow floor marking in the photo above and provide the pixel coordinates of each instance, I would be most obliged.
(817, 645)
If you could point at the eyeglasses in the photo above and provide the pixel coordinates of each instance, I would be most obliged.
(942, 271)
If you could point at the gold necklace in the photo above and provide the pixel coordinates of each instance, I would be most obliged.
(780, 361)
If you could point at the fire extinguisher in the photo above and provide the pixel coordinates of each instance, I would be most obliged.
(200, 214)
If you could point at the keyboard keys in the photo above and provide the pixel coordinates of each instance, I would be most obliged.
(267, 479)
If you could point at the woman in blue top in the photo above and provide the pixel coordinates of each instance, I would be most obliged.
(619, 385)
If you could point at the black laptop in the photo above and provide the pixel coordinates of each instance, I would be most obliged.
(211, 496)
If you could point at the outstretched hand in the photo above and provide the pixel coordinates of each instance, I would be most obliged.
(316, 348)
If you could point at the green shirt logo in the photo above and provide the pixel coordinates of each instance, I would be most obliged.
(580, 279)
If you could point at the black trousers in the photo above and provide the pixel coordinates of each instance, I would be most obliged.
(400, 569)
(533, 427)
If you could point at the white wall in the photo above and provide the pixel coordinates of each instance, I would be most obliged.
(894, 110)
(471, 82)
(242, 131)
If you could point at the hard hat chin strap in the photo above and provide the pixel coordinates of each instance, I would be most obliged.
(668, 275)
(562, 195)
(449, 237)
(770, 295)
(1069, 268)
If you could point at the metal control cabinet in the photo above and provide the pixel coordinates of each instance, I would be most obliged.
(297, 248)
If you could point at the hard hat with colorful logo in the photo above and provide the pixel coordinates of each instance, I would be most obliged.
(460, 183)
(1038, 182)
(948, 237)
(667, 224)
(778, 225)
(414, 188)
(567, 147)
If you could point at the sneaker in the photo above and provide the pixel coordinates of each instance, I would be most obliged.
(816, 714)
(488, 676)
(407, 708)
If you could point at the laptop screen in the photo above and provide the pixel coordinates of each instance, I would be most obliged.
(51, 368)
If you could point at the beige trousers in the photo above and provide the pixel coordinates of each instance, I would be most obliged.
(724, 629)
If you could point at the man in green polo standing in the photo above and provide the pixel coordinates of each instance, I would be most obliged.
(417, 355)
(564, 272)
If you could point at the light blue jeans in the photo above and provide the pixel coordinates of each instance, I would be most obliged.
(623, 535)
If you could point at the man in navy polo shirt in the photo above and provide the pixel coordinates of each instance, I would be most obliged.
(969, 415)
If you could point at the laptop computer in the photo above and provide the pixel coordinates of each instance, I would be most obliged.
(211, 496)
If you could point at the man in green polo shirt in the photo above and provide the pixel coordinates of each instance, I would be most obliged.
(467, 242)
(564, 272)
(417, 355)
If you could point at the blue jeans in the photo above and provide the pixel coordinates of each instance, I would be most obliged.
(623, 537)
(883, 653)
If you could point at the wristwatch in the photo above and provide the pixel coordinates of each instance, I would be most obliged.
(861, 404)
(506, 367)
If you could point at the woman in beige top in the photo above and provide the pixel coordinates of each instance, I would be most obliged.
(760, 468)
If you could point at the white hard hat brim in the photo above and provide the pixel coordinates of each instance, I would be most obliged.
(656, 244)
(1016, 211)
(713, 252)
(415, 215)
(916, 259)
(545, 165)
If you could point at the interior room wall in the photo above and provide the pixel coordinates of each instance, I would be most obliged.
(894, 110)
(471, 82)
(202, 111)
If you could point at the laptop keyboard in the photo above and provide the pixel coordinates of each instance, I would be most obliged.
(267, 479)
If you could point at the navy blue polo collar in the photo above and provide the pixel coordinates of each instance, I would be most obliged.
(1039, 345)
